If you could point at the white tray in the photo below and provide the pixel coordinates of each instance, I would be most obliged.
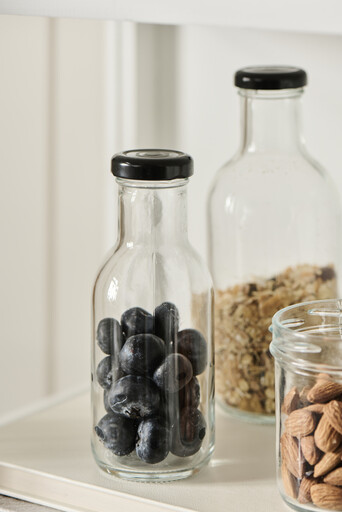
(45, 458)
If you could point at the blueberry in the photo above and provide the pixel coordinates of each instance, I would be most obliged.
(109, 336)
(104, 373)
(105, 401)
(153, 440)
(137, 321)
(117, 433)
(192, 345)
(189, 396)
(134, 397)
(142, 354)
(166, 319)
(188, 432)
(173, 374)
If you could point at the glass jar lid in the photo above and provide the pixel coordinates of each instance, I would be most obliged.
(152, 165)
(270, 77)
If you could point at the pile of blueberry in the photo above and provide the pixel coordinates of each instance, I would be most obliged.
(151, 393)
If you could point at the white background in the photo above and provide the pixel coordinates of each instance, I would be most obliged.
(73, 92)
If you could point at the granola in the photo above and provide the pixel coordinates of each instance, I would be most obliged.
(243, 314)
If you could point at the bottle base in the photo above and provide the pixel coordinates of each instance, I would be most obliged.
(152, 476)
(250, 417)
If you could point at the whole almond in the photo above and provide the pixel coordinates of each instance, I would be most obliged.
(324, 391)
(292, 456)
(326, 437)
(289, 482)
(334, 477)
(310, 450)
(291, 401)
(333, 411)
(328, 462)
(327, 496)
(316, 408)
(304, 495)
(300, 423)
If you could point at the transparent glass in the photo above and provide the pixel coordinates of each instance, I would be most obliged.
(152, 357)
(273, 240)
(307, 347)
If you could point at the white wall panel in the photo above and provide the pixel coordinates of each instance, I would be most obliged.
(80, 175)
(24, 211)
(156, 86)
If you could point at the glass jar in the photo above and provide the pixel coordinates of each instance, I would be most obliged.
(274, 227)
(152, 357)
(307, 348)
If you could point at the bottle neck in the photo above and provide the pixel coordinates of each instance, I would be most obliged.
(271, 121)
(152, 213)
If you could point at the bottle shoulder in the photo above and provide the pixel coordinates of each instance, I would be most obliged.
(142, 262)
(266, 172)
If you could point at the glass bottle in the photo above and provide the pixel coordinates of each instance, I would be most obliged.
(152, 357)
(274, 227)
(306, 346)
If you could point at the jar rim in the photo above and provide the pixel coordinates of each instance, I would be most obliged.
(291, 338)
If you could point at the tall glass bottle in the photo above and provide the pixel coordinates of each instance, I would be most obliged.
(152, 359)
(274, 222)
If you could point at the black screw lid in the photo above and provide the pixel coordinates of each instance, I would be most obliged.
(270, 77)
(152, 164)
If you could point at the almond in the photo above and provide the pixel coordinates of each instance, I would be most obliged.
(291, 455)
(289, 482)
(324, 391)
(323, 376)
(334, 477)
(304, 495)
(300, 423)
(328, 462)
(316, 408)
(291, 401)
(333, 411)
(303, 396)
(327, 496)
(326, 437)
(310, 450)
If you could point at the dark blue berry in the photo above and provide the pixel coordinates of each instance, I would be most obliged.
(153, 440)
(134, 397)
(105, 401)
(166, 319)
(173, 374)
(104, 373)
(109, 336)
(137, 321)
(189, 396)
(142, 354)
(188, 432)
(192, 345)
(117, 433)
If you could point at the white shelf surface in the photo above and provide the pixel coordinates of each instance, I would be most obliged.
(45, 458)
(321, 16)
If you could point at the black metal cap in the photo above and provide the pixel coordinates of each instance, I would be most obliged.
(270, 77)
(152, 164)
